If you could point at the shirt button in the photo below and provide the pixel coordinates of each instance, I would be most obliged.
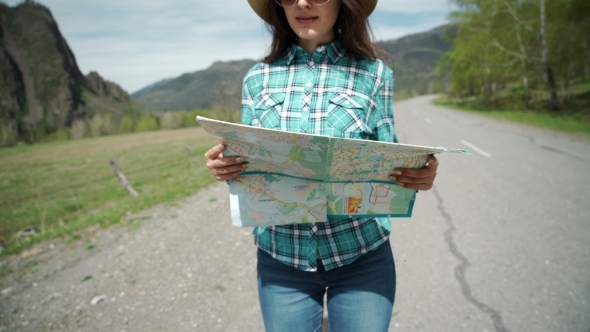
(347, 102)
(305, 109)
(308, 85)
(311, 63)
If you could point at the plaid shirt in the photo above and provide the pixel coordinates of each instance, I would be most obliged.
(330, 93)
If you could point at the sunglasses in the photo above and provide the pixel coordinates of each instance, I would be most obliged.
(288, 3)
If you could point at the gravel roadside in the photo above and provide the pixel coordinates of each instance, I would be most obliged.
(174, 267)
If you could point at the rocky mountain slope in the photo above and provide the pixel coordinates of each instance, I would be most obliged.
(41, 86)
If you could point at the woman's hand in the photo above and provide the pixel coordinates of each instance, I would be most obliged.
(416, 178)
(224, 168)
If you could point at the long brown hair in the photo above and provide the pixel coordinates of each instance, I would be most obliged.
(352, 27)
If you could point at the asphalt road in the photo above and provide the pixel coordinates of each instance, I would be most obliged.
(501, 243)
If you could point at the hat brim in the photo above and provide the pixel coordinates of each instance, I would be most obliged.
(259, 7)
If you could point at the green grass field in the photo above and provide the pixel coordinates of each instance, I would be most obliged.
(573, 117)
(573, 122)
(61, 187)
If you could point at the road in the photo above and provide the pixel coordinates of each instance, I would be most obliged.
(501, 243)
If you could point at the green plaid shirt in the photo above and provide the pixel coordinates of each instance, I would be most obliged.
(330, 93)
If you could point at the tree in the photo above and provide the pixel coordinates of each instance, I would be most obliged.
(500, 42)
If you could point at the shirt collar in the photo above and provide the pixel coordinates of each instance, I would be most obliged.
(335, 51)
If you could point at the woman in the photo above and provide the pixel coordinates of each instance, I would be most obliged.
(322, 76)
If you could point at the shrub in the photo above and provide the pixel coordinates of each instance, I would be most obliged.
(61, 134)
(8, 132)
(95, 125)
(189, 119)
(147, 123)
(127, 125)
(171, 120)
(79, 129)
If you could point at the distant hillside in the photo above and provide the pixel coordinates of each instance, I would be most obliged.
(195, 90)
(415, 57)
(150, 88)
(41, 86)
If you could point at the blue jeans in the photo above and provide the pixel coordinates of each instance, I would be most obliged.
(360, 295)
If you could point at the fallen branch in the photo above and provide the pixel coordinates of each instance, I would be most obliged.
(123, 179)
(192, 156)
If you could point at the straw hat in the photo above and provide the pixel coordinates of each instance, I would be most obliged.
(258, 6)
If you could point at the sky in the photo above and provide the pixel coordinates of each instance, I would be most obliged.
(135, 43)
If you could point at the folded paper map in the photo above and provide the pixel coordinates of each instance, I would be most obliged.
(302, 178)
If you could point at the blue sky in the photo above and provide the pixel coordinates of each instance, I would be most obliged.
(138, 42)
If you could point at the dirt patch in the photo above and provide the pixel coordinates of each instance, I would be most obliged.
(175, 267)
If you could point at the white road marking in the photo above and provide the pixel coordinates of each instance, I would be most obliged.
(428, 121)
(473, 147)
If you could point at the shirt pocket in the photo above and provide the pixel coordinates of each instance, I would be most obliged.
(267, 110)
(347, 115)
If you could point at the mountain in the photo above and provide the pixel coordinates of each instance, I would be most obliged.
(415, 58)
(195, 90)
(41, 86)
(150, 88)
(42, 89)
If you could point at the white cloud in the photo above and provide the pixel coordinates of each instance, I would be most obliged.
(138, 42)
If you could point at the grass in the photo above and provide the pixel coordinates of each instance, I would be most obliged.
(61, 187)
(574, 117)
